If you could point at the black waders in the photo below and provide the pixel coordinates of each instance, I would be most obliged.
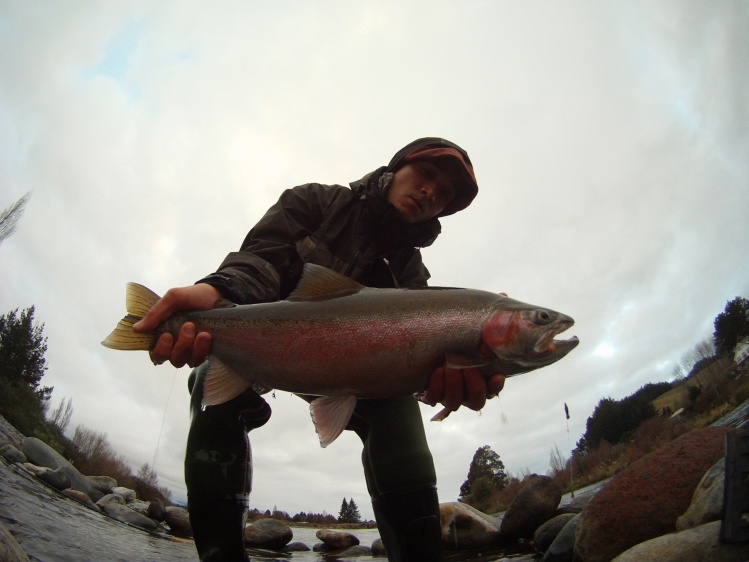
(218, 470)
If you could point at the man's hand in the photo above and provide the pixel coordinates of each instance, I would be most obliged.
(191, 348)
(461, 387)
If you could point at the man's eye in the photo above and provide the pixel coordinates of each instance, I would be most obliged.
(427, 171)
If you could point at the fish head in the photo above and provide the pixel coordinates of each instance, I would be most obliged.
(522, 336)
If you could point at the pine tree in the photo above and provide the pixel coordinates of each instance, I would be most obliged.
(731, 325)
(23, 401)
(343, 514)
(354, 516)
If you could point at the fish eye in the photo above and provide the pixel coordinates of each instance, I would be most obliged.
(543, 316)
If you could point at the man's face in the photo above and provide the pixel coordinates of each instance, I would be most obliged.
(420, 191)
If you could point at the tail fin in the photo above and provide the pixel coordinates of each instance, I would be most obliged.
(138, 300)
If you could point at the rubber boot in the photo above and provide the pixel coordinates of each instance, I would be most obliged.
(218, 471)
(409, 524)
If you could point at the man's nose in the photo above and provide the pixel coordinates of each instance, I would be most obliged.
(429, 190)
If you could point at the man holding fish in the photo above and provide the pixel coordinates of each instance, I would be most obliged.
(371, 233)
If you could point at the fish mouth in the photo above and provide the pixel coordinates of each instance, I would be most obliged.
(547, 345)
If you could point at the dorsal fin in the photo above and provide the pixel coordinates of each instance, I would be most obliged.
(320, 282)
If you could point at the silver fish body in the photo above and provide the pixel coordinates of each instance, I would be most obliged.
(336, 338)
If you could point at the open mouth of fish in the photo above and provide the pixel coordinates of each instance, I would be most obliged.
(548, 345)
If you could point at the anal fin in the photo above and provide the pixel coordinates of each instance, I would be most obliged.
(331, 415)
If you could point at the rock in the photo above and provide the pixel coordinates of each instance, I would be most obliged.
(41, 454)
(268, 533)
(11, 454)
(126, 493)
(105, 484)
(547, 532)
(55, 478)
(127, 515)
(535, 503)
(336, 539)
(110, 499)
(179, 521)
(81, 498)
(464, 526)
(80, 482)
(10, 550)
(707, 501)
(578, 503)
(296, 546)
(156, 510)
(563, 547)
(352, 552)
(140, 506)
(645, 499)
(322, 548)
(378, 547)
(700, 544)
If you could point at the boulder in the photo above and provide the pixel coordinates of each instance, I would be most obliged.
(296, 546)
(464, 526)
(563, 547)
(707, 501)
(105, 484)
(645, 499)
(378, 548)
(11, 454)
(268, 533)
(55, 478)
(128, 494)
(547, 532)
(699, 544)
(179, 521)
(110, 499)
(126, 515)
(81, 498)
(41, 454)
(535, 504)
(156, 510)
(141, 506)
(80, 482)
(354, 551)
(337, 540)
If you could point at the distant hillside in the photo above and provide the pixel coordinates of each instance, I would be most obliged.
(710, 377)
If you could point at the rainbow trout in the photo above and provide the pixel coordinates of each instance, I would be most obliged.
(341, 341)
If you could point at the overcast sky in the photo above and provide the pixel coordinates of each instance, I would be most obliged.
(609, 141)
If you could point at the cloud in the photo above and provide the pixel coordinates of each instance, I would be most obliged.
(608, 142)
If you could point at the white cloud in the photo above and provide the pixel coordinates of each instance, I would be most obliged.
(608, 141)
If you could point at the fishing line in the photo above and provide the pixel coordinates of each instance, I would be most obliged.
(163, 420)
(567, 415)
(503, 416)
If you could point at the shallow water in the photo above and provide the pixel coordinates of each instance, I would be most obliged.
(51, 527)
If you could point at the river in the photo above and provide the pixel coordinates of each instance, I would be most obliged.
(54, 528)
(51, 527)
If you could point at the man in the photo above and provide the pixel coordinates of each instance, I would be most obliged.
(371, 232)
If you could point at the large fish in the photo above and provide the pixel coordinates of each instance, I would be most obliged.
(341, 341)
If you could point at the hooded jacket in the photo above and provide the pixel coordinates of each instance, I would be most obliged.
(354, 231)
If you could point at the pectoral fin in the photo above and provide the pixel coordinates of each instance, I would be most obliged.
(456, 361)
(331, 415)
(221, 383)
